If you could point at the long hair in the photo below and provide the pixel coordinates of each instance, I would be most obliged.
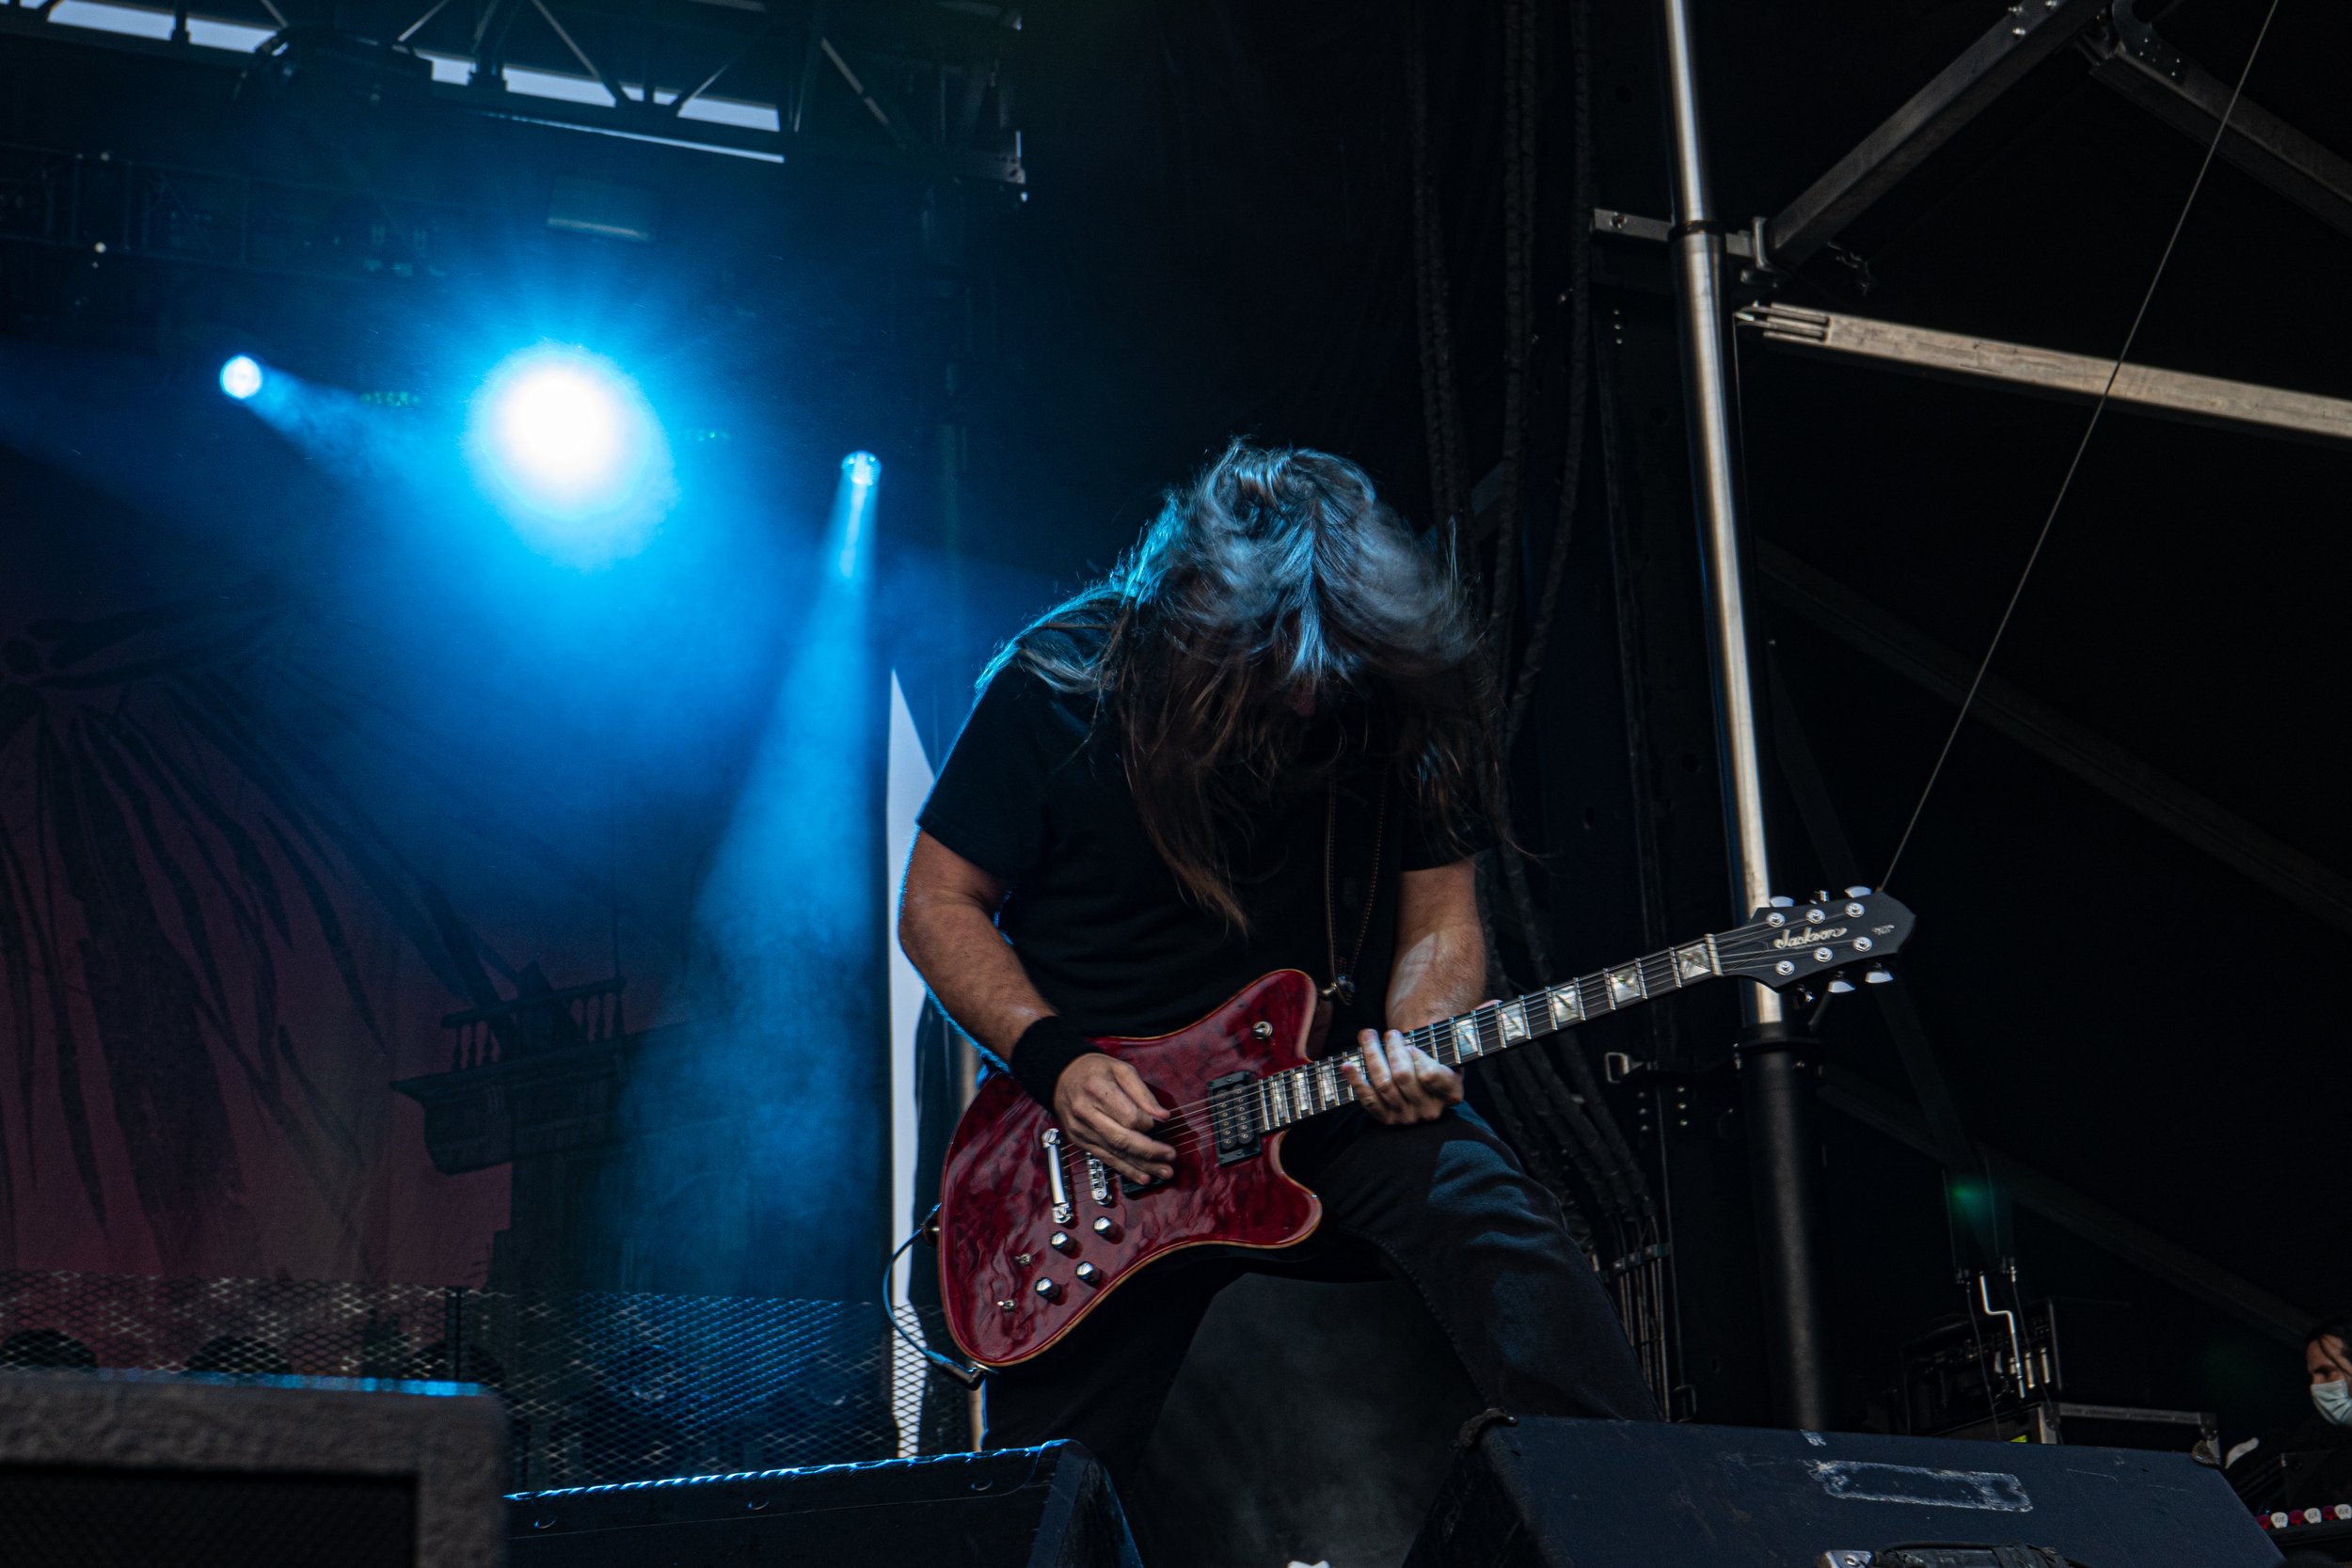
(1275, 587)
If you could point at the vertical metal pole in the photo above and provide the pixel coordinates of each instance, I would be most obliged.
(1777, 1083)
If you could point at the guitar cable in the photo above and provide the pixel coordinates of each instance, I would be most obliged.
(963, 1372)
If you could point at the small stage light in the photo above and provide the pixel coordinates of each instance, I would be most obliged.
(860, 472)
(570, 447)
(241, 377)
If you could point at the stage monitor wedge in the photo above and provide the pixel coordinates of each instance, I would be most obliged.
(1570, 1493)
(1050, 1507)
(134, 1469)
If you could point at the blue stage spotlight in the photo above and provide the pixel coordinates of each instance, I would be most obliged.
(860, 472)
(241, 377)
(572, 453)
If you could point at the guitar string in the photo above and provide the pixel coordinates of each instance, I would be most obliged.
(2221, 129)
(1193, 1123)
(1196, 1120)
(1196, 1116)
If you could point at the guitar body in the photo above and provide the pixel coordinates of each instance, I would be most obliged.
(998, 1214)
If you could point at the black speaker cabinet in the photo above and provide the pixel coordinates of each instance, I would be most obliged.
(1013, 1507)
(134, 1470)
(1566, 1493)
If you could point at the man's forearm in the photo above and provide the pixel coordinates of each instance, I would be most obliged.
(972, 969)
(947, 924)
(1439, 974)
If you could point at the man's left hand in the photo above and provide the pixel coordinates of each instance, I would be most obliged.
(1398, 1083)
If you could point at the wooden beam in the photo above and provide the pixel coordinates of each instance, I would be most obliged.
(2047, 372)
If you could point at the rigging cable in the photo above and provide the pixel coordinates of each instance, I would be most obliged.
(2123, 355)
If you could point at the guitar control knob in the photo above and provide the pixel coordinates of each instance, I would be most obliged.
(1090, 1275)
(1061, 1241)
(1106, 1227)
(1046, 1290)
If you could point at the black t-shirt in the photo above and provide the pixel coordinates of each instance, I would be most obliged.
(1034, 794)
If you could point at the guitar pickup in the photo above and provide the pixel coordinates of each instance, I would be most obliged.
(1233, 1115)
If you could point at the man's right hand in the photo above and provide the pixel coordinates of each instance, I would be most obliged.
(1104, 1108)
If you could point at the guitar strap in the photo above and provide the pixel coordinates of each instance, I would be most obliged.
(1343, 985)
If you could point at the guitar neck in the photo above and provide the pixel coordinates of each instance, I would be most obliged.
(1290, 1097)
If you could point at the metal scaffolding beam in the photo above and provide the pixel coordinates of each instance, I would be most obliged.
(2074, 377)
(2144, 68)
(2027, 33)
(2095, 1222)
(2101, 764)
(1776, 1079)
(2128, 56)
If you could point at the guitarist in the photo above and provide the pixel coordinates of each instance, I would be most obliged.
(1264, 741)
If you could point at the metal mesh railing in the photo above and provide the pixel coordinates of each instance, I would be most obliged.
(600, 1386)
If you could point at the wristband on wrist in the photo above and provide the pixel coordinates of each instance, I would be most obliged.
(1045, 1047)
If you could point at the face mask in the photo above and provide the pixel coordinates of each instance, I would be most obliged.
(2334, 1401)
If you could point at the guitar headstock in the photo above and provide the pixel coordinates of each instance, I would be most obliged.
(1789, 943)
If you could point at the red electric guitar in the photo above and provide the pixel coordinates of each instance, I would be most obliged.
(1033, 1231)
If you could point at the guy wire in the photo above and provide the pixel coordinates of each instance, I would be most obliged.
(1976, 681)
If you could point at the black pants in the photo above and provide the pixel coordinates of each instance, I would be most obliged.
(1443, 1207)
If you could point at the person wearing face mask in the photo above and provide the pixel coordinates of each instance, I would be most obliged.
(2307, 1464)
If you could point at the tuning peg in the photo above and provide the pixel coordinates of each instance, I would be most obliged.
(1780, 903)
(1820, 897)
(1840, 987)
(1858, 893)
(1877, 976)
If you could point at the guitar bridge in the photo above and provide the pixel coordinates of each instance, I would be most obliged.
(1233, 1115)
(1055, 1183)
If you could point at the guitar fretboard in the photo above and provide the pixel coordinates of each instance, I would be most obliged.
(1285, 1098)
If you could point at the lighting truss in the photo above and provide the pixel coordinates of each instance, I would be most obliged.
(921, 85)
